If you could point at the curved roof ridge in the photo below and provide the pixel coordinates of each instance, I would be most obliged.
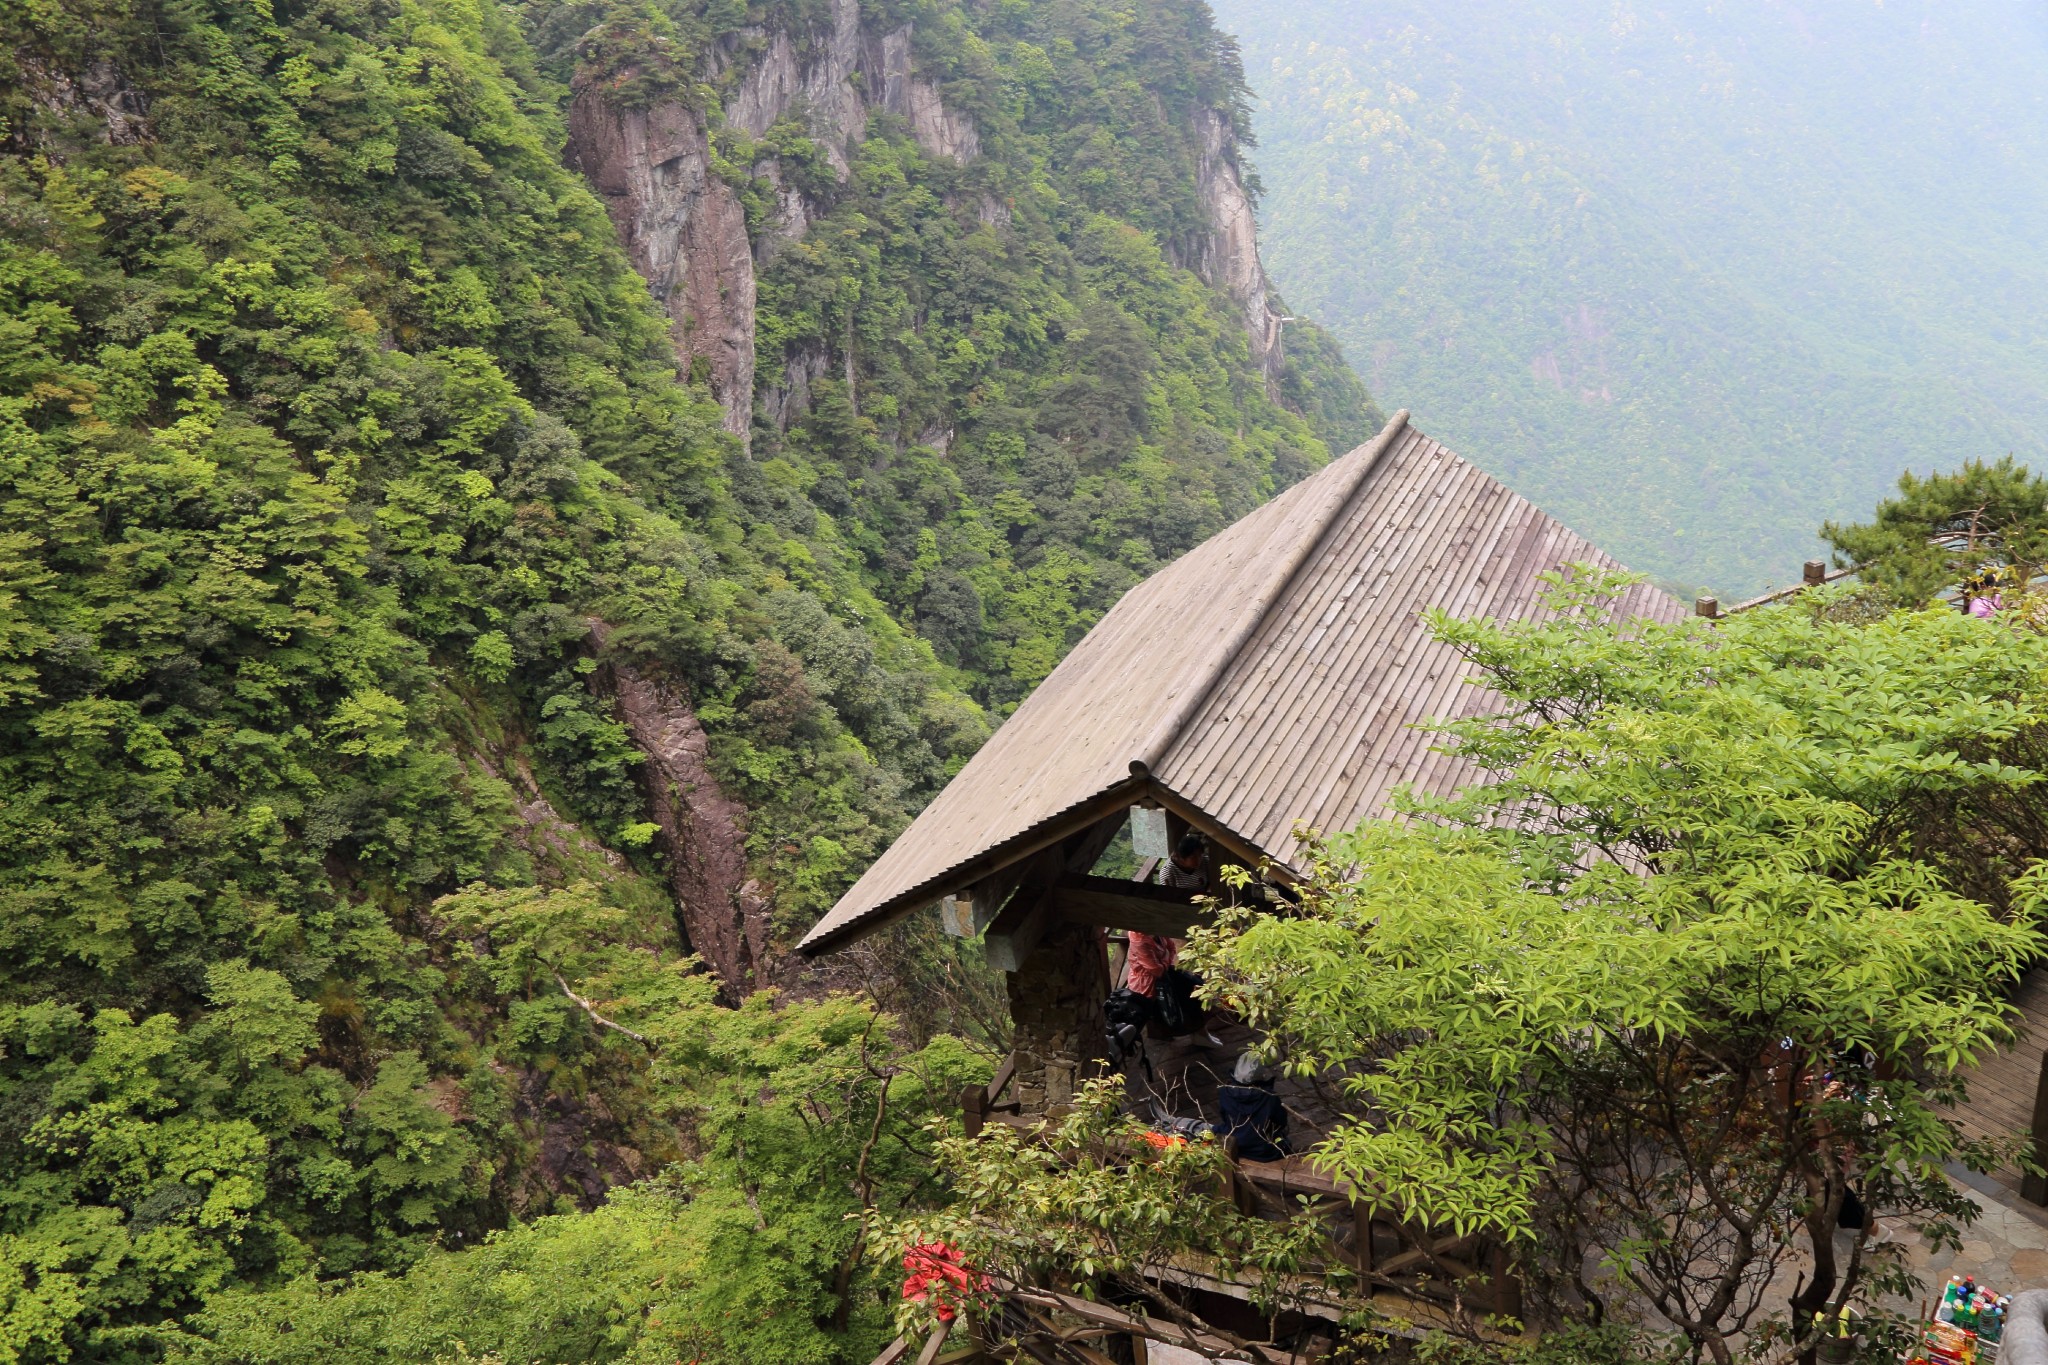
(1167, 729)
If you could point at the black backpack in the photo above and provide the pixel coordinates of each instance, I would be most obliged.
(1126, 1013)
(1179, 1011)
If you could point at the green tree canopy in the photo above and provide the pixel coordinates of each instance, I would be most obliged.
(1943, 528)
(1688, 970)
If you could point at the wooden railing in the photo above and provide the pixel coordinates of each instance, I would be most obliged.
(980, 1103)
(1387, 1252)
(1469, 1273)
(1814, 574)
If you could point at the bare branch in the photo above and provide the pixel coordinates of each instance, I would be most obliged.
(599, 1019)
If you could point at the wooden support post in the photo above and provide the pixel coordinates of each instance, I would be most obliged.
(1176, 830)
(1507, 1282)
(2034, 1188)
(1816, 572)
(1012, 935)
(974, 1109)
(1708, 606)
(1113, 903)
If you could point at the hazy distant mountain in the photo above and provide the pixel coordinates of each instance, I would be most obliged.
(1695, 275)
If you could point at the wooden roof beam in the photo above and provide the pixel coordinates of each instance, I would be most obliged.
(986, 868)
(1031, 908)
(1113, 903)
(1214, 830)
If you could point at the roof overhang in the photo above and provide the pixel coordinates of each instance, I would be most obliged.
(1138, 789)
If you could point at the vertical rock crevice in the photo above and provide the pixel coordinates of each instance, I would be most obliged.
(722, 912)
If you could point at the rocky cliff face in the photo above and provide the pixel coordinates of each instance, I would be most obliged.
(723, 916)
(1229, 259)
(685, 227)
(688, 234)
(99, 91)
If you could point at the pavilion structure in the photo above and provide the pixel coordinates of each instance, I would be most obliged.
(1272, 679)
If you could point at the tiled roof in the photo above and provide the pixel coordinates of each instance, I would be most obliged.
(1272, 675)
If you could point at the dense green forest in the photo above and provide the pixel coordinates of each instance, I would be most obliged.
(347, 480)
(1695, 277)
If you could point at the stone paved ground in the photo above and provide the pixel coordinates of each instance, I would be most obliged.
(2007, 1248)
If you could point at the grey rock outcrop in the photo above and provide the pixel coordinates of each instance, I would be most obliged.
(685, 228)
(940, 131)
(820, 82)
(1228, 258)
(784, 402)
(98, 90)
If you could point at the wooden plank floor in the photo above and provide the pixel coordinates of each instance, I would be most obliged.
(2002, 1086)
(1186, 1072)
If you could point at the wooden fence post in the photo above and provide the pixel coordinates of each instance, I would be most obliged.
(1816, 572)
(1708, 606)
(932, 1344)
(2034, 1188)
(974, 1109)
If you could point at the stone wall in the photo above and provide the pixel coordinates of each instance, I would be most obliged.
(1056, 1002)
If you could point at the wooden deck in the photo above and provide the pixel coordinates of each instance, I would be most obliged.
(2002, 1087)
(1185, 1074)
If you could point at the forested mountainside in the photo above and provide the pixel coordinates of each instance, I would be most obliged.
(497, 498)
(1694, 276)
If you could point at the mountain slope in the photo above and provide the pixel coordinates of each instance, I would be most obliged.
(417, 634)
(1695, 277)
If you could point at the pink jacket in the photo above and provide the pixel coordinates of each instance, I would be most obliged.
(1151, 956)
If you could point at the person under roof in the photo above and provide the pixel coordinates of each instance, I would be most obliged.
(1151, 955)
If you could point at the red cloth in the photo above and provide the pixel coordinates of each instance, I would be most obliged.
(938, 1266)
(1151, 956)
